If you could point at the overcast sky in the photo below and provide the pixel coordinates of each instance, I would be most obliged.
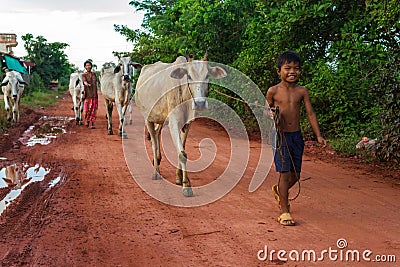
(86, 25)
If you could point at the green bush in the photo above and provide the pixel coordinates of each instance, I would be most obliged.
(35, 84)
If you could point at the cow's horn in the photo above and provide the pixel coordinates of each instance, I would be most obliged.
(188, 56)
(205, 58)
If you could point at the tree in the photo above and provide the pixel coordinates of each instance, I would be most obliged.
(50, 60)
(171, 27)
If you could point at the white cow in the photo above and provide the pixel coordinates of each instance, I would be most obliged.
(12, 87)
(116, 88)
(173, 91)
(77, 95)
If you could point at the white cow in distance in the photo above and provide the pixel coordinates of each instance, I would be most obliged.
(174, 91)
(12, 87)
(77, 95)
(116, 88)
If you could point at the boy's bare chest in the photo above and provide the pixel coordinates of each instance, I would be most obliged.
(288, 97)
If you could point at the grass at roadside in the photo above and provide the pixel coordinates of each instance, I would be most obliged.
(41, 98)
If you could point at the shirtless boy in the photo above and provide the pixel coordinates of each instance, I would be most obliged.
(289, 96)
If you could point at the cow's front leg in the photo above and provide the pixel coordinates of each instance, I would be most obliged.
(130, 113)
(17, 109)
(15, 115)
(80, 111)
(76, 109)
(77, 119)
(121, 112)
(7, 107)
(184, 133)
(109, 109)
(155, 145)
(182, 159)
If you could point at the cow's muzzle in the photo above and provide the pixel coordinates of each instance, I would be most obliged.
(200, 103)
(15, 97)
(126, 78)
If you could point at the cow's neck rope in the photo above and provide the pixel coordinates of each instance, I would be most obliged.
(190, 91)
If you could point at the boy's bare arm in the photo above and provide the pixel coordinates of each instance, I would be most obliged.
(270, 96)
(313, 118)
(268, 112)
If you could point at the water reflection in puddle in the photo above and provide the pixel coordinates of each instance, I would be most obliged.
(46, 129)
(54, 182)
(24, 178)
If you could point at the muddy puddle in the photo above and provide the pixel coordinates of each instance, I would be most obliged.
(18, 177)
(45, 130)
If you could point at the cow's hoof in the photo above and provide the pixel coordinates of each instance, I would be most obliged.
(187, 191)
(110, 133)
(178, 181)
(130, 122)
(156, 176)
(124, 136)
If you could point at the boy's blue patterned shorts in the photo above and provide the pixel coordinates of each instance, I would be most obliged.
(288, 153)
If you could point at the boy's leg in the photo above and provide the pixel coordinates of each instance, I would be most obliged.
(283, 188)
(293, 179)
(285, 218)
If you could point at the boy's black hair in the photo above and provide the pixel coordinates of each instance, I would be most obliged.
(87, 61)
(288, 57)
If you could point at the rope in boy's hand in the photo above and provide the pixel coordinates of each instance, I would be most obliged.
(277, 117)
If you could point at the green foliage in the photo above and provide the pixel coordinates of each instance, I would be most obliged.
(387, 92)
(35, 84)
(50, 60)
(172, 27)
(345, 144)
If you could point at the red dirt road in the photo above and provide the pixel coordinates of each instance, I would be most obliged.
(97, 215)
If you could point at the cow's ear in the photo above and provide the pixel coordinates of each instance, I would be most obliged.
(117, 69)
(21, 80)
(136, 65)
(4, 82)
(217, 72)
(178, 73)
